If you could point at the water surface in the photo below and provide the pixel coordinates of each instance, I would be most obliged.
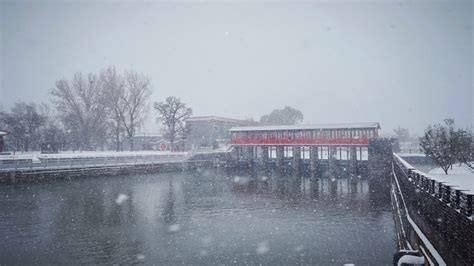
(204, 217)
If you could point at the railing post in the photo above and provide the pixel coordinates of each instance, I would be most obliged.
(447, 194)
(422, 183)
(466, 204)
(455, 198)
(440, 190)
(469, 204)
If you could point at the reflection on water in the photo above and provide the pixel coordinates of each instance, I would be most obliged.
(204, 217)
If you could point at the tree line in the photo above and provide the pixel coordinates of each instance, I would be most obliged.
(92, 112)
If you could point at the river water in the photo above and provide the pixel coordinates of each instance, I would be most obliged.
(203, 217)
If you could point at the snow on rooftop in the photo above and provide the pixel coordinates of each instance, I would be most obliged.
(313, 126)
(217, 118)
(3, 133)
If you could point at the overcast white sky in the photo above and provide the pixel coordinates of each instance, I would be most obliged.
(399, 63)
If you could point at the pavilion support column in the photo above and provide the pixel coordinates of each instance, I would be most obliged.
(280, 184)
(280, 154)
(313, 163)
(238, 153)
(250, 158)
(296, 178)
(313, 167)
(353, 160)
(332, 161)
(265, 159)
(239, 158)
(250, 152)
(296, 160)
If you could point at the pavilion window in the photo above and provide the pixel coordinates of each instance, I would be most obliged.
(365, 154)
(325, 153)
(305, 152)
(344, 153)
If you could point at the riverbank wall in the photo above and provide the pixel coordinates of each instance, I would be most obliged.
(436, 211)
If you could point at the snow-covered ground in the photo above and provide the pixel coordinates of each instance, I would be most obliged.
(401, 154)
(461, 176)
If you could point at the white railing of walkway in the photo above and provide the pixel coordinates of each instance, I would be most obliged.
(89, 161)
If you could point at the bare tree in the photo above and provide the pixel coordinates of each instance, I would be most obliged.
(23, 124)
(137, 91)
(15, 130)
(172, 113)
(81, 105)
(52, 134)
(114, 87)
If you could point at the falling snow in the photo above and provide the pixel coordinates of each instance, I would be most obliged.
(121, 198)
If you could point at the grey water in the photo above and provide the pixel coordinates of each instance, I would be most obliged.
(202, 217)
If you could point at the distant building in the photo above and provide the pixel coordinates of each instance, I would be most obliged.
(152, 141)
(2, 142)
(210, 132)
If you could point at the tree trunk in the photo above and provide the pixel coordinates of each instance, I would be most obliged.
(172, 133)
(130, 140)
(117, 142)
(445, 169)
(171, 143)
